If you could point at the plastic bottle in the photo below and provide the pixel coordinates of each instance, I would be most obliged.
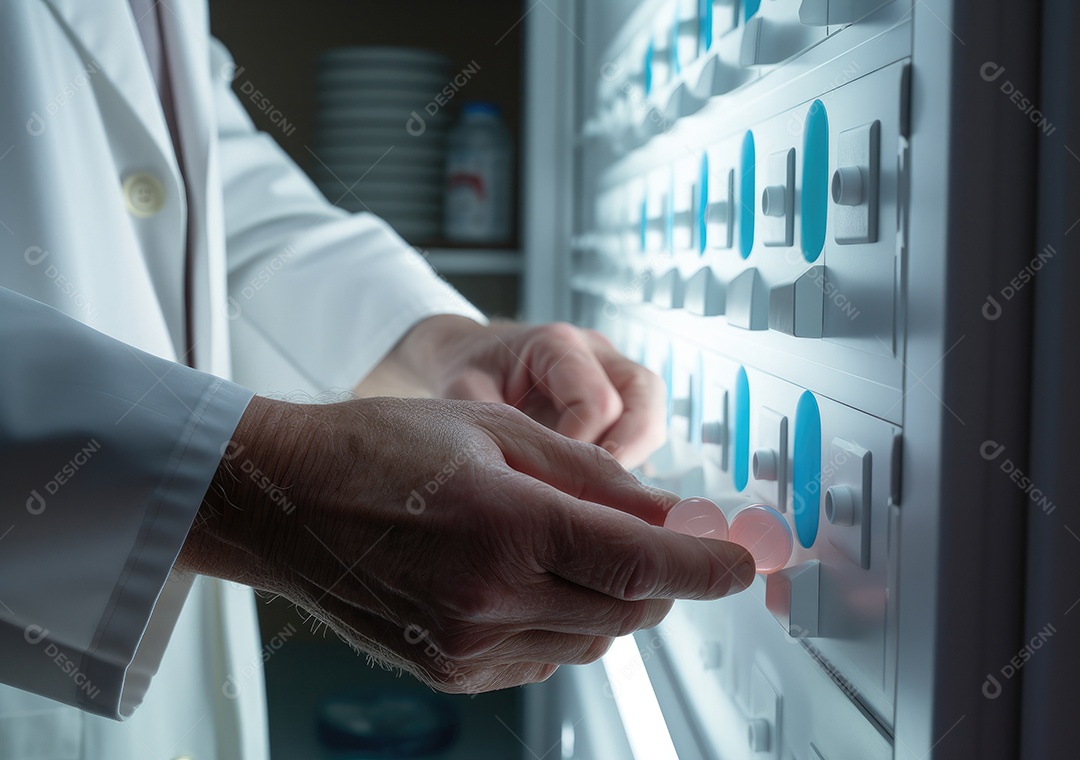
(479, 177)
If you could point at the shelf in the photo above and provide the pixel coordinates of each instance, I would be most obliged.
(474, 261)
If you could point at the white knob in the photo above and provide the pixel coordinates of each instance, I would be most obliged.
(764, 464)
(847, 186)
(774, 200)
(712, 432)
(680, 407)
(840, 506)
(757, 733)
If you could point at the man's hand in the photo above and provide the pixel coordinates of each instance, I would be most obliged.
(461, 541)
(572, 380)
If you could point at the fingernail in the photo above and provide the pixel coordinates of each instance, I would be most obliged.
(742, 577)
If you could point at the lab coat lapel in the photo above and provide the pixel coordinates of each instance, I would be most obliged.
(185, 32)
(107, 34)
(106, 37)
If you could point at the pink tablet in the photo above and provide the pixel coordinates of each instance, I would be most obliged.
(763, 532)
(697, 517)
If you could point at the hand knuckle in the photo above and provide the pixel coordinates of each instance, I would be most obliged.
(649, 381)
(607, 405)
(607, 464)
(560, 332)
(470, 600)
(596, 649)
(636, 574)
(655, 610)
(541, 673)
(633, 619)
(598, 336)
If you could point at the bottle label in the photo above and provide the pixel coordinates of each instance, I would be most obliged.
(478, 197)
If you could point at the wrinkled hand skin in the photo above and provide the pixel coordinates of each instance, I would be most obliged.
(573, 380)
(459, 540)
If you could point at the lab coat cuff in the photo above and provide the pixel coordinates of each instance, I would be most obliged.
(146, 603)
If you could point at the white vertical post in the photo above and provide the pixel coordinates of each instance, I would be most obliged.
(551, 55)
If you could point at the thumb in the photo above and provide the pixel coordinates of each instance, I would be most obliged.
(612, 553)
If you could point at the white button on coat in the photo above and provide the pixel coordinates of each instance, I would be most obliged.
(144, 194)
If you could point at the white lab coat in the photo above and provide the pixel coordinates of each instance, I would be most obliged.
(106, 445)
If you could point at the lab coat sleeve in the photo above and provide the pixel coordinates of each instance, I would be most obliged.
(105, 455)
(329, 292)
